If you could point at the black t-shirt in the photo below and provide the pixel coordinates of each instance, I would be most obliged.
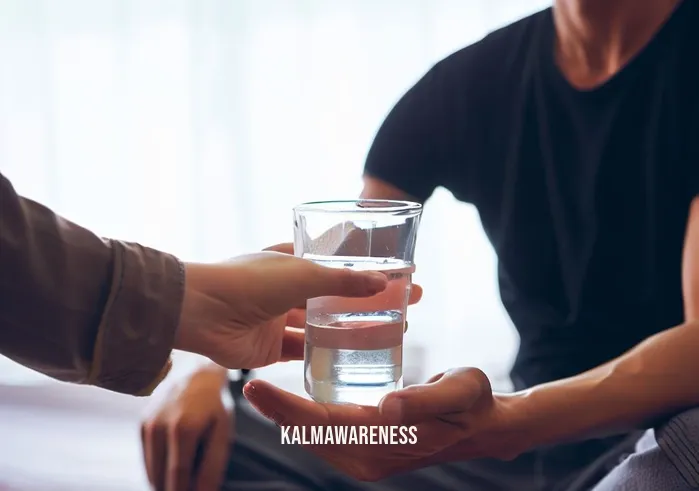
(584, 195)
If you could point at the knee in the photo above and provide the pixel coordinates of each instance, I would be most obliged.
(679, 440)
(682, 428)
(665, 459)
(644, 470)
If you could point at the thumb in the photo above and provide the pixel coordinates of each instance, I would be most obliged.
(285, 248)
(323, 281)
(451, 393)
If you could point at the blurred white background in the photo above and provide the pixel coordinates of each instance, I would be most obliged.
(194, 126)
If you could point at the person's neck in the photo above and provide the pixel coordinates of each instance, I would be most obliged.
(596, 38)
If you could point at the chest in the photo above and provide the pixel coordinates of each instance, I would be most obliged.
(581, 171)
(586, 199)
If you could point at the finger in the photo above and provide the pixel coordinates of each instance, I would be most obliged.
(392, 298)
(296, 318)
(283, 408)
(209, 475)
(453, 392)
(154, 437)
(416, 291)
(286, 409)
(145, 450)
(285, 248)
(415, 294)
(182, 443)
(293, 344)
(435, 378)
(320, 281)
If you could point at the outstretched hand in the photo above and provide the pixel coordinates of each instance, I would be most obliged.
(455, 415)
(294, 337)
(237, 313)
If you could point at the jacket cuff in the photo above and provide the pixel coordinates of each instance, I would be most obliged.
(137, 331)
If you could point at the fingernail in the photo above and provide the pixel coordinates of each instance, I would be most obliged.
(249, 390)
(376, 282)
(392, 409)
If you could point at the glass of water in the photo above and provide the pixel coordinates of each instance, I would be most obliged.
(354, 346)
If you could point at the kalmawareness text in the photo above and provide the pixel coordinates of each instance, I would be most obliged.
(349, 435)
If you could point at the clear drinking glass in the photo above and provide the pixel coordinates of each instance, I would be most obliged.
(354, 346)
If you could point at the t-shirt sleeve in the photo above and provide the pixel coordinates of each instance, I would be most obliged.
(406, 149)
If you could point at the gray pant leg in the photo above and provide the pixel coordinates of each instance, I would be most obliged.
(665, 460)
(260, 462)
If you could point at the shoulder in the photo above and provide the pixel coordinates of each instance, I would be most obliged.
(500, 57)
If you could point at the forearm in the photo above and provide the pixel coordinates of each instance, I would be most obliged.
(652, 381)
(690, 264)
(375, 188)
(82, 309)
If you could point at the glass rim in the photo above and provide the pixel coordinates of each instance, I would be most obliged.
(355, 206)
